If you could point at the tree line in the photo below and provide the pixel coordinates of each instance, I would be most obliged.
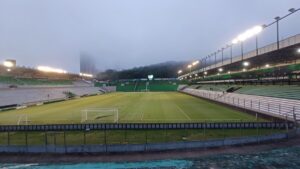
(161, 70)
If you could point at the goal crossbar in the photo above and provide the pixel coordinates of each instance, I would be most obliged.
(101, 111)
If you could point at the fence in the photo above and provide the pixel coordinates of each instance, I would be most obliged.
(283, 109)
(80, 138)
(148, 126)
(108, 148)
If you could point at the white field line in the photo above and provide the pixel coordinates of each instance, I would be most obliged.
(142, 116)
(182, 112)
(20, 118)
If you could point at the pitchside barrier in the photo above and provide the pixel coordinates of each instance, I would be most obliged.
(143, 126)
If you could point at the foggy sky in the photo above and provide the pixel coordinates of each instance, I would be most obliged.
(122, 34)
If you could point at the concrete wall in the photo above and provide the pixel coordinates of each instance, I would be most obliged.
(123, 148)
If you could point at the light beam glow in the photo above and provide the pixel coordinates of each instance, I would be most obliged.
(50, 69)
(8, 64)
(85, 75)
(247, 34)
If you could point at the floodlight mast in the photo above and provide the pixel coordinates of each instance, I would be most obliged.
(8, 64)
(254, 31)
(246, 35)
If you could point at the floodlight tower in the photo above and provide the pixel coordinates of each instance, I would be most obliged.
(277, 19)
(246, 35)
(9, 64)
(190, 67)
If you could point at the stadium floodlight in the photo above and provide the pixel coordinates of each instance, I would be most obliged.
(205, 73)
(220, 69)
(195, 63)
(277, 18)
(179, 71)
(298, 50)
(8, 64)
(189, 66)
(8, 70)
(85, 75)
(248, 34)
(196, 74)
(235, 41)
(244, 70)
(267, 65)
(292, 10)
(150, 77)
(246, 64)
(228, 72)
(50, 69)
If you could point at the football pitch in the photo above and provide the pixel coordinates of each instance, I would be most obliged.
(139, 107)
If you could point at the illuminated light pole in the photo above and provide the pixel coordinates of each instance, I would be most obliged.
(210, 60)
(256, 44)
(242, 50)
(246, 64)
(195, 63)
(231, 53)
(190, 67)
(277, 29)
(222, 50)
(215, 58)
(246, 35)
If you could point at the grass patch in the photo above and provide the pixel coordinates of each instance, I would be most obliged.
(147, 107)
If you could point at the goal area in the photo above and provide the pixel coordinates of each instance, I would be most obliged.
(100, 115)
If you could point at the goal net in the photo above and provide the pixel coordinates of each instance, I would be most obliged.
(98, 115)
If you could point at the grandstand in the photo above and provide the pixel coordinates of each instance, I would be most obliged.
(263, 82)
(26, 86)
(143, 85)
(10, 80)
(280, 91)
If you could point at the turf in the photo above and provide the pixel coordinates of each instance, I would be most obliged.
(133, 107)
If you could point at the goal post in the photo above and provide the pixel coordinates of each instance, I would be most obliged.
(97, 115)
(22, 119)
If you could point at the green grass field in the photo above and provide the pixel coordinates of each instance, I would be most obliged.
(138, 107)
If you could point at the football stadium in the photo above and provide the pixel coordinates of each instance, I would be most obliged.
(247, 93)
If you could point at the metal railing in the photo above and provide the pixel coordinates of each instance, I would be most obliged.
(284, 109)
(147, 126)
